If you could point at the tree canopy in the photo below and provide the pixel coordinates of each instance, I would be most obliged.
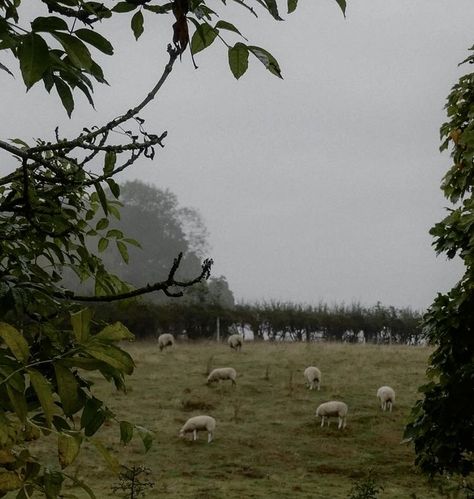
(442, 426)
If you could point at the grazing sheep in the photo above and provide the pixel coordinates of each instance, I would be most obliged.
(312, 375)
(165, 340)
(199, 423)
(386, 394)
(235, 341)
(333, 408)
(222, 373)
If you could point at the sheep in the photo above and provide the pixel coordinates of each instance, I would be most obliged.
(165, 340)
(333, 408)
(312, 375)
(222, 373)
(386, 394)
(199, 423)
(235, 341)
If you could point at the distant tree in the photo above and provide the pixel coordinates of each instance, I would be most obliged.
(442, 426)
(153, 217)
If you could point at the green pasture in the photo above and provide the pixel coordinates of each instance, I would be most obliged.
(268, 442)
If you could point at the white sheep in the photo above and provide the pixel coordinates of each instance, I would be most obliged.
(165, 340)
(312, 375)
(235, 341)
(199, 423)
(333, 408)
(222, 373)
(386, 394)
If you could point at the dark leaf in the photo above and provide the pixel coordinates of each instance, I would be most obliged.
(238, 59)
(95, 39)
(33, 54)
(49, 24)
(137, 24)
(65, 94)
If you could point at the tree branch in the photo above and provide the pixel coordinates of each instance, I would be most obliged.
(164, 286)
(70, 144)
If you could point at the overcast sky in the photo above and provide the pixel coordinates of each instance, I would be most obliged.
(318, 187)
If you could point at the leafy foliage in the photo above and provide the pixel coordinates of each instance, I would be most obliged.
(58, 197)
(442, 427)
(60, 49)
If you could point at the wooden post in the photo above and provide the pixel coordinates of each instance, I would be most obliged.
(218, 329)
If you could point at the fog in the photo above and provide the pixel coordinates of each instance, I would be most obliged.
(318, 187)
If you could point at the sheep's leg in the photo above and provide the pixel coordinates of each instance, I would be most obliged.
(344, 422)
(195, 436)
(319, 385)
(209, 437)
(340, 423)
(390, 406)
(322, 421)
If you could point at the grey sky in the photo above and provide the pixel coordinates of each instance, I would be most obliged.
(322, 186)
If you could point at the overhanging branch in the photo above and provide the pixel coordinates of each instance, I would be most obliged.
(164, 286)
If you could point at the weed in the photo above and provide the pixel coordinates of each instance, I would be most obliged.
(366, 488)
(133, 482)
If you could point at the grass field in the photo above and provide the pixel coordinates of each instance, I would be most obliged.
(268, 442)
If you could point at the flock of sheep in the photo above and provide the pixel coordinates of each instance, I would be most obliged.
(312, 375)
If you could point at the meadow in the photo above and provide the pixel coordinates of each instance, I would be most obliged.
(268, 442)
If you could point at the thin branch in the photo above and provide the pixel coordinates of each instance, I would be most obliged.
(149, 288)
(70, 144)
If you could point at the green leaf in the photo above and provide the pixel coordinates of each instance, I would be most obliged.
(204, 35)
(114, 233)
(266, 59)
(122, 7)
(238, 59)
(229, 27)
(146, 436)
(49, 24)
(33, 54)
(9, 480)
(342, 5)
(115, 332)
(133, 242)
(272, 7)
(45, 395)
(52, 481)
(126, 432)
(102, 224)
(137, 24)
(69, 446)
(111, 355)
(14, 341)
(96, 40)
(75, 49)
(81, 324)
(68, 389)
(123, 250)
(292, 5)
(93, 416)
(109, 458)
(65, 94)
(18, 402)
(103, 244)
(109, 162)
(114, 187)
(102, 198)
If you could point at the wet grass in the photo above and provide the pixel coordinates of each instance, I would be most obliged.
(268, 442)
